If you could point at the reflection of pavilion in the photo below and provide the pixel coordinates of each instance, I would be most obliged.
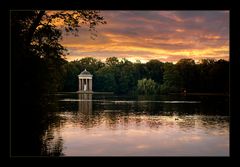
(85, 103)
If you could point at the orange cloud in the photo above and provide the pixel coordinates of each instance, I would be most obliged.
(163, 35)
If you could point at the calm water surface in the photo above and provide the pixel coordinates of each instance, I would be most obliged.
(109, 125)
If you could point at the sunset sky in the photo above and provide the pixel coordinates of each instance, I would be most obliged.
(164, 35)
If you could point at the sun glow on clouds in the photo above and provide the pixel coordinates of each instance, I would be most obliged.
(164, 35)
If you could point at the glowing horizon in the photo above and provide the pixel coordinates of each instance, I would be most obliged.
(164, 35)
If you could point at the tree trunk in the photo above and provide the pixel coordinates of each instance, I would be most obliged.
(33, 28)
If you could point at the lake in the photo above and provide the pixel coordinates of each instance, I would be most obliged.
(111, 125)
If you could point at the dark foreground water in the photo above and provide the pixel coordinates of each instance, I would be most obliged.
(108, 125)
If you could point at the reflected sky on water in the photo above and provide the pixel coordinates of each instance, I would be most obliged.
(100, 125)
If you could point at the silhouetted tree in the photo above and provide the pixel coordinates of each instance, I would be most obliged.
(37, 60)
(155, 70)
(172, 80)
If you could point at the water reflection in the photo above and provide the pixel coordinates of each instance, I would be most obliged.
(144, 135)
(85, 103)
(101, 125)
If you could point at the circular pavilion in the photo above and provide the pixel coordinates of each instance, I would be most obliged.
(85, 82)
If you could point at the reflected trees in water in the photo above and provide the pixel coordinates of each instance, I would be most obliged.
(109, 114)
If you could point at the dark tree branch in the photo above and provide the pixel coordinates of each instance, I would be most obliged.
(33, 28)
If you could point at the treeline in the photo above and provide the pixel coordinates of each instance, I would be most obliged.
(153, 77)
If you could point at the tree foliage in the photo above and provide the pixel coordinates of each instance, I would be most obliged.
(123, 76)
(155, 70)
(172, 80)
(105, 80)
(146, 86)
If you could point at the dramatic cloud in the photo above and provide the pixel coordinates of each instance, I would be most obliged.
(163, 35)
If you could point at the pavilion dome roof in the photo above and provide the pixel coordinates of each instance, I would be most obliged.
(85, 72)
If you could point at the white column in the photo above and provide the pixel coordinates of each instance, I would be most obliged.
(80, 88)
(90, 85)
(81, 84)
(87, 84)
(79, 80)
